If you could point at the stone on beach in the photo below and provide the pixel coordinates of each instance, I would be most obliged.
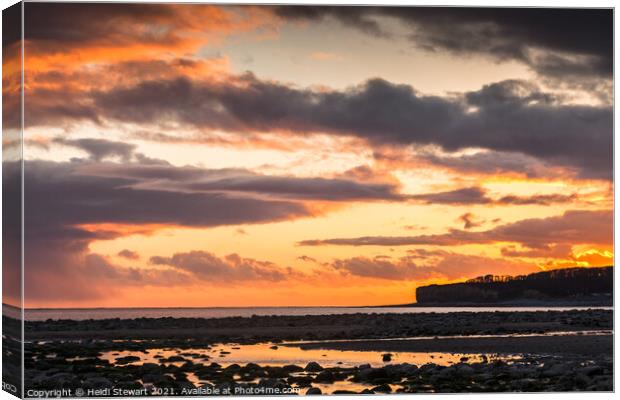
(300, 381)
(292, 368)
(325, 377)
(127, 359)
(385, 388)
(313, 366)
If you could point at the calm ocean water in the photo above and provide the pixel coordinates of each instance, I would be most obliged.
(125, 313)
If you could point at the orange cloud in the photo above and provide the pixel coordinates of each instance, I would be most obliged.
(118, 230)
(95, 33)
(588, 258)
(572, 227)
(595, 257)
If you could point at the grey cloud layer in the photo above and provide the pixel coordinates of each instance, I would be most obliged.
(62, 193)
(487, 162)
(230, 269)
(63, 197)
(241, 182)
(98, 149)
(162, 176)
(574, 42)
(60, 199)
(509, 116)
(477, 195)
(71, 24)
(447, 265)
(572, 227)
(403, 269)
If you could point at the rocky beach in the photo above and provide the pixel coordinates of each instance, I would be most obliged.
(323, 354)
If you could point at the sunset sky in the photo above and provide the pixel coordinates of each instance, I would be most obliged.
(196, 155)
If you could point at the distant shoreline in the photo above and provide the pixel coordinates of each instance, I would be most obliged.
(323, 326)
(525, 303)
(517, 303)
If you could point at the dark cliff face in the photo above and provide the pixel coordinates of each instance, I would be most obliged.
(561, 284)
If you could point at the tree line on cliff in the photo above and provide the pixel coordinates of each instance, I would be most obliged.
(567, 283)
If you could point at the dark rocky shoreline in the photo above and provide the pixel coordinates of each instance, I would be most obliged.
(66, 354)
(325, 327)
(531, 374)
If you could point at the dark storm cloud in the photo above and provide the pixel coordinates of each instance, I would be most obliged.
(73, 23)
(11, 26)
(255, 105)
(99, 149)
(572, 227)
(538, 199)
(477, 195)
(502, 33)
(489, 162)
(509, 116)
(466, 196)
(577, 42)
(57, 194)
(358, 17)
(49, 107)
(241, 182)
(454, 238)
(301, 189)
(161, 176)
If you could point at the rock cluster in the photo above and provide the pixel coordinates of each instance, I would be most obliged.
(530, 374)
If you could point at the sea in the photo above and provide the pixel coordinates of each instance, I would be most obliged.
(41, 314)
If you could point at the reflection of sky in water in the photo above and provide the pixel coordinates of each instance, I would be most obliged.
(265, 355)
(268, 354)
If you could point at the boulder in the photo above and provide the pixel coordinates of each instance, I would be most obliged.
(325, 377)
(385, 388)
(314, 390)
(313, 367)
(127, 360)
